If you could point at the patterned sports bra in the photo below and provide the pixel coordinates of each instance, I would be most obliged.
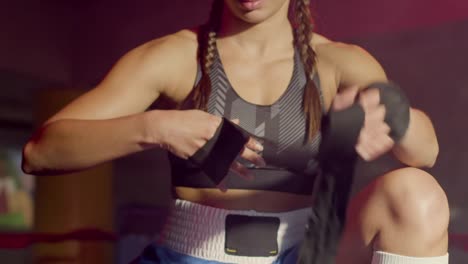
(280, 127)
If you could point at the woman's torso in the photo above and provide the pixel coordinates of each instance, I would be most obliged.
(259, 86)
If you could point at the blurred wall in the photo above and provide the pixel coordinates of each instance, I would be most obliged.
(364, 18)
(34, 54)
(109, 29)
(34, 38)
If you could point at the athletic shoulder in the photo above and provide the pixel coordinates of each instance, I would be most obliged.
(353, 65)
(175, 44)
(163, 61)
(169, 50)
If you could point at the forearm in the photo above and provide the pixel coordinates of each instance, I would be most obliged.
(71, 145)
(419, 146)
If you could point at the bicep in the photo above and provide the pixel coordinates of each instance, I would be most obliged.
(130, 87)
(356, 67)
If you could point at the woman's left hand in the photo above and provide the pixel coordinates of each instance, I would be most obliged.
(374, 140)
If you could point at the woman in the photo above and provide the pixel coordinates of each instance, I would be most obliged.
(253, 66)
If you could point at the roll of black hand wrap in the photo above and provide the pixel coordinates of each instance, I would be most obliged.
(337, 159)
(397, 108)
(340, 131)
(217, 155)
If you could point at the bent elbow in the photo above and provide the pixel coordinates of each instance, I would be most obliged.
(26, 164)
(433, 155)
(29, 162)
(428, 160)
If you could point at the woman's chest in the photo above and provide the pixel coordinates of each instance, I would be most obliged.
(280, 127)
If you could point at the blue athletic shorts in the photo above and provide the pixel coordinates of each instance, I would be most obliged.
(156, 254)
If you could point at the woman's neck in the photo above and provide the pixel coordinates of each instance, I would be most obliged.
(266, 37)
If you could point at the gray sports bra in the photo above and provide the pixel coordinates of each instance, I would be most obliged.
(281, 127)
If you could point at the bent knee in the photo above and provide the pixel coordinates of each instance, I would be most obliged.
(415, 200)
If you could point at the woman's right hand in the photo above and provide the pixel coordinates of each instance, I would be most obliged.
(184, 132)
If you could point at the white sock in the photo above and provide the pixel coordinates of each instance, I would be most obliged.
(389, 258)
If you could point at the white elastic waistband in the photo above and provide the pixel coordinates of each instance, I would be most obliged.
(381, 257)
(197, 230)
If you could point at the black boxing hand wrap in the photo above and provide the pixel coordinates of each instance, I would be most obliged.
(340, 131)
(397, 108)
(217, 155)
(337, 159)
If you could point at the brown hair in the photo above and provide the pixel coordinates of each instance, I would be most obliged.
(303, 29)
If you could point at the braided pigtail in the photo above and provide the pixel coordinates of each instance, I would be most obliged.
(302, 35)
(206, 48)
